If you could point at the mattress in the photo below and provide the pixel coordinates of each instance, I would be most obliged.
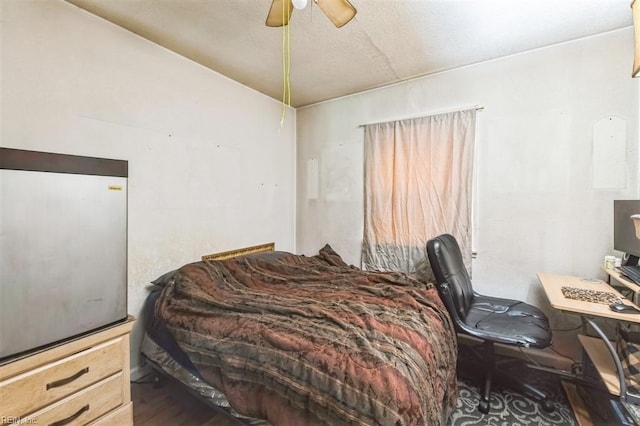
(161, 350)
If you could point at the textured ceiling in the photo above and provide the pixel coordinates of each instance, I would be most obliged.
(388, 41)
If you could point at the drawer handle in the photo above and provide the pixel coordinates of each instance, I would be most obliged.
(70, 418)
(69, 379)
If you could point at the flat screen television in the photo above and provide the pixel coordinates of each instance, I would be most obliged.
(624, 231)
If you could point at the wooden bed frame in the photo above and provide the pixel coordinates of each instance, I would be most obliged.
(240, 252)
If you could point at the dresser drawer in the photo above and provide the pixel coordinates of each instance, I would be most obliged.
(56, 380)
(122, 416)
(82, 407)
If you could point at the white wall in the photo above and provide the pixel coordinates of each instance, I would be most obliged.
(210, 168)
(536, 208)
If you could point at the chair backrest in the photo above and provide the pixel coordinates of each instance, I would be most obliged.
(451, 275)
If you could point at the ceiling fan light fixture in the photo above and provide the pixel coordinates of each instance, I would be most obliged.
(338, 11)
(300, 4)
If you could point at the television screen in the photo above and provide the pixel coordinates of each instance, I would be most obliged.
(624, 231)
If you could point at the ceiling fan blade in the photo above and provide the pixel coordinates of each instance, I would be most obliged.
(338, 11)
(275, 17)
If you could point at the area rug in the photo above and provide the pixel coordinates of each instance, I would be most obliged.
(509, 407)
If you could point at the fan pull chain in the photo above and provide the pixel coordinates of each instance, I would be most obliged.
(286, 61)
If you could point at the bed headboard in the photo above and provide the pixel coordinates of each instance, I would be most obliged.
(240, 252)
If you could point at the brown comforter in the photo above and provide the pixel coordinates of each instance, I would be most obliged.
(310, 340)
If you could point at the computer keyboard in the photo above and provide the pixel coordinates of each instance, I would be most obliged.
(632, 273)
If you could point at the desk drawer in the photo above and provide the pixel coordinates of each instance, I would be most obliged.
(82, 407)
(54, 381)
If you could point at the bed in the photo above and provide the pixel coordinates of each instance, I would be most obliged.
(304, 340)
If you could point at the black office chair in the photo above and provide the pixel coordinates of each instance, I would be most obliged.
(491, 319)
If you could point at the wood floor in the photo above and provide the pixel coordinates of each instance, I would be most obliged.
(166, 403)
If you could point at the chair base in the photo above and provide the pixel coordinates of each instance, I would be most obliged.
(496, 372)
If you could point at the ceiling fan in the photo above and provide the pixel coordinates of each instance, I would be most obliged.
(338, 11)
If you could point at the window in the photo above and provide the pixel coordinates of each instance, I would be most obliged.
(418, 184)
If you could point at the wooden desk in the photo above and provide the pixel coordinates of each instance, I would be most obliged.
(553, 284)
(608, 366)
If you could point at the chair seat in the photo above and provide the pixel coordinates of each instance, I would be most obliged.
(507, 321)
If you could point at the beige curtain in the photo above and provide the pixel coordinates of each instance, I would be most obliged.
(418, 184)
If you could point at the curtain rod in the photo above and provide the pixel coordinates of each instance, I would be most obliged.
(429, 114)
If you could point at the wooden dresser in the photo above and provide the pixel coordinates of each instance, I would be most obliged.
(83, 381)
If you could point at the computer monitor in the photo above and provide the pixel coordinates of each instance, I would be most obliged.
(624, 230)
